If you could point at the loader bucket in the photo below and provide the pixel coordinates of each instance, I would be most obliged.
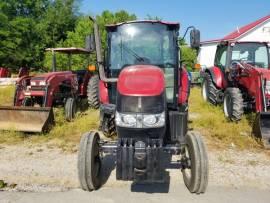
(261, 128)
(26, 119)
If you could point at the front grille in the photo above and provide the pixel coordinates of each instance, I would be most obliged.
(145, 104)
(37, 88)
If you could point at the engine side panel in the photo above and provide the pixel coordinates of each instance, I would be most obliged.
(184, 88)
(103, 93)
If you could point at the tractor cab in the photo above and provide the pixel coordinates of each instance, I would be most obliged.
(255, 54)
(140, 44)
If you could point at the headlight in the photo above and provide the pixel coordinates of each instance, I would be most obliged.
(42, 83)
(157, 120)
(33, 83)
(140, 120)
(130, 120)
(125, 120)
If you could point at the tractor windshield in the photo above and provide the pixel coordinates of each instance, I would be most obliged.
(255, 54)
(144, 43)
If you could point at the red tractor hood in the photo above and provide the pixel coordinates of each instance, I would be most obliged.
(46, 76)
(141, 80)
(264, 72)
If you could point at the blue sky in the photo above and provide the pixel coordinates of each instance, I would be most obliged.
(214, 18)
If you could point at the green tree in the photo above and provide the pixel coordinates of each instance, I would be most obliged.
(27, 27)
(77, 37)
(189, 55)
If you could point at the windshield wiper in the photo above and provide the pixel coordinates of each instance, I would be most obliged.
(133, 53)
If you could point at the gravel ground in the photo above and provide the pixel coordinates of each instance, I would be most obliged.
(41, 169)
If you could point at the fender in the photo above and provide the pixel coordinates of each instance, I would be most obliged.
(184, 88)
(217, 76)
(103, 93)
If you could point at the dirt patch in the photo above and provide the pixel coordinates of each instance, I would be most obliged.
(38, 168)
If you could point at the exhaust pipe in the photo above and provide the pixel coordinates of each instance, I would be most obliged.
(100, 62)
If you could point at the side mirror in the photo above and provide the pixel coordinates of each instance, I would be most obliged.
(195, 38)
(90, 43)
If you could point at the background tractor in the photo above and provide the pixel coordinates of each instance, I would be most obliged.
(4, 73)
(36, 95)
(240, 79)
(144, 101)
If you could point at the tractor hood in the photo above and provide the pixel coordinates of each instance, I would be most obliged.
(141, 80)
(46, 76)
(265, 72)
(40, 80)
(255, 70)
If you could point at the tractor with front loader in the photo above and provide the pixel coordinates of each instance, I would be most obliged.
(144, 101)
(240, 79)
(35, 96)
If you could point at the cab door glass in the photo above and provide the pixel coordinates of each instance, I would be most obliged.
(221, 57)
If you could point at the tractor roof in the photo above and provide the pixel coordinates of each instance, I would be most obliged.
(70, 50)
(176, 25)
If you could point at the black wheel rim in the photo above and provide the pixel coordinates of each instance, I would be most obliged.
(96, 160)
(187, 164)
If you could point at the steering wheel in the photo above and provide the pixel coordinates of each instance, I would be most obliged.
(236, 63)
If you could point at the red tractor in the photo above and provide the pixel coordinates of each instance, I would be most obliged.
(145, 102)
(240, 79)
(4, 73)
(36, 95)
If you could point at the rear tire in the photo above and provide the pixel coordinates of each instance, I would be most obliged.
(209, 91)
(93, 92)
(195, 172)
(89, 162)
(233, 104)
(70, 109)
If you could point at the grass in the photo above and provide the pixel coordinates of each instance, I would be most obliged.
(65, 135)
(220, 132)
(206, 118)
(6, 95)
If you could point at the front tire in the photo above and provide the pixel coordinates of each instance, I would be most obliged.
(89, 162)
(107, 125)
(27, 102)
(195, 159)
(209, 90)
(70, 109)
(233, 104)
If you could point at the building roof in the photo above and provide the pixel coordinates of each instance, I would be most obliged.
(241, 31)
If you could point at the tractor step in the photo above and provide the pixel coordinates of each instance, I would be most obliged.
(26, 119)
